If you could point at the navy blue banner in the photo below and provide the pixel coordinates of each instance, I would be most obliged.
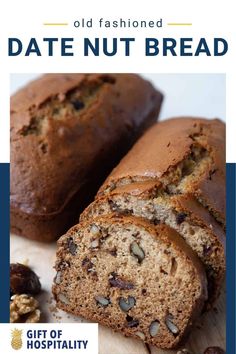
(4, 232)
(231, 264)
(230, 258)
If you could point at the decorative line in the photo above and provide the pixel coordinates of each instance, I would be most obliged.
(179, 24)
(55, 24)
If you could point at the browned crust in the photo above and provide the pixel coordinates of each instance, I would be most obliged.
(168, 143)
(42, 89)
(167, 235)
(44, 185)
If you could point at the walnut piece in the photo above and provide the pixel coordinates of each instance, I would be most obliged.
(24, 308)
(34, 316)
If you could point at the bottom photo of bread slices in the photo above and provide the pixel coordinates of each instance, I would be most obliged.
(118, 208)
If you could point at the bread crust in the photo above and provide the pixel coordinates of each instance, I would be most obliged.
(58, 163)
(166, 145)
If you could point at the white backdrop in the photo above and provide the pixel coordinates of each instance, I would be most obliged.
(185, 94)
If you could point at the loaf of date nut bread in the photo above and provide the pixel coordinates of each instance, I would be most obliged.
(175, 174)
(67, 132)
(132, 276)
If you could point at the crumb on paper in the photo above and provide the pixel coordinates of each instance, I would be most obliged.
(53, 309)
(25, 262)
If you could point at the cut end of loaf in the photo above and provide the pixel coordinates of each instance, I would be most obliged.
(194, 162)
(132, 277)
(203, 238)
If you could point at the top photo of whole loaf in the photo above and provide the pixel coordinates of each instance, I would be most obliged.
(137, 206)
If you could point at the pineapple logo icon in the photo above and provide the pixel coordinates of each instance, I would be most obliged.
(16, 340)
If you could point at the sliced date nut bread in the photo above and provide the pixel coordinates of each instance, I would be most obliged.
(181, 212)
(137, 278)
(175, 174)
(186, 155)
(67, 132)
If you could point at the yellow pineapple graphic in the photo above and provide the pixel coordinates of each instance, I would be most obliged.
(16, 340)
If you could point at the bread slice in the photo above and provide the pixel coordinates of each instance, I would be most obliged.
(137, 278)
(181, 212)
(186, 155)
